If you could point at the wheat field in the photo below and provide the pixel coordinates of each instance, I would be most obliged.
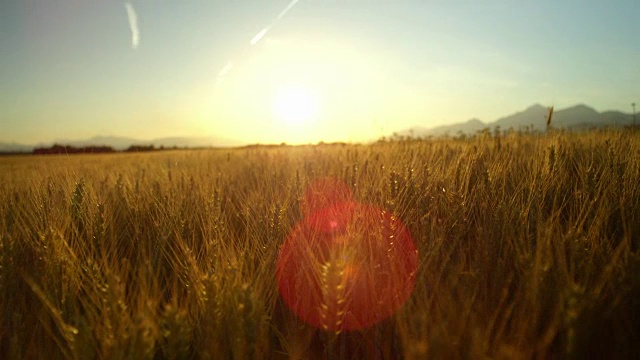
(528, 248)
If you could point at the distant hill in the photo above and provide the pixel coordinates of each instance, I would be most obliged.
(14, 148)
(468, 127)
(535, 117)
(122, 143)
(116, 142)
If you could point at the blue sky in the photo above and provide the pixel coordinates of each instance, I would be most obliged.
(69, 69)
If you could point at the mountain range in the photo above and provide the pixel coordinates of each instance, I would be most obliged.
(535, 117)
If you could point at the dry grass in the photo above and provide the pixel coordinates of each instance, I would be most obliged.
(528, 249)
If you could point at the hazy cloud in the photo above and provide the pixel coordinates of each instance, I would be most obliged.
(133, 25)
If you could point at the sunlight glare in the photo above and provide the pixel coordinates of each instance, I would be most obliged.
(295, 105)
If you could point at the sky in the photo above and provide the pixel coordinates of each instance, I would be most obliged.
(303, 71)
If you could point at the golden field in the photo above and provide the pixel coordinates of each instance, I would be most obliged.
(528, 248)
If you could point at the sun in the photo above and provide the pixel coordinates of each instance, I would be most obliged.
(295, 105)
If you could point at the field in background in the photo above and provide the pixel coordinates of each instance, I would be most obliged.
(529, 247)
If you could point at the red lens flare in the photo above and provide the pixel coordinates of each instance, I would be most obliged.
(346, 266)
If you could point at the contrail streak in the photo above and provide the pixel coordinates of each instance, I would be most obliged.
(259, 36)
(256, 39)
(222, 73)
(286, 9)
(225, 70)
(133, 25)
